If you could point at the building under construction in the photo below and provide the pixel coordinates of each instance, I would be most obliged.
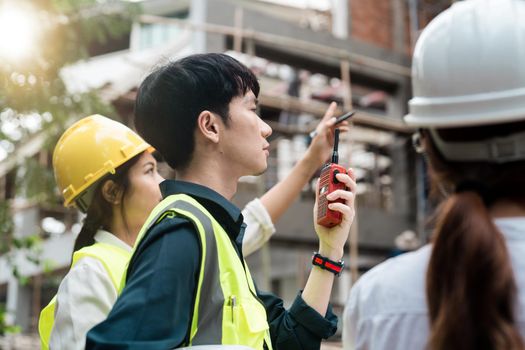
(305, 54)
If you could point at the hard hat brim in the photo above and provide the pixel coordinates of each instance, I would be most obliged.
(462, 111)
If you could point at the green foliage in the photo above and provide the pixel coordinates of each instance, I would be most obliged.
(35, 181)
(6, 226)
(30, 248)
(33, 88)
(48, 266)
(33, 92)
(4, 327)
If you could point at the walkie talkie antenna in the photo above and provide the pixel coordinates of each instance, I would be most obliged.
(335, 154)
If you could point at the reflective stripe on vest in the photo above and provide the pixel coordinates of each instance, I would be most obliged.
(114, 260)
(226, 309)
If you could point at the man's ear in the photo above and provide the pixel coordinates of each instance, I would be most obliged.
(111, 192)
(208, 124)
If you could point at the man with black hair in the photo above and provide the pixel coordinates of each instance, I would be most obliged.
(187, 282)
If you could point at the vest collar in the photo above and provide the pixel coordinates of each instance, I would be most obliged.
(103, 236)
(225, 212)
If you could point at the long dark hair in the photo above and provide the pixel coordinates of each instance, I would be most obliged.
(100, 212)
(470, 285)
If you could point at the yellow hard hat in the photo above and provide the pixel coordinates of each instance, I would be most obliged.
(89, 150)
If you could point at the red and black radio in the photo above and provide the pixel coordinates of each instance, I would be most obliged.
(328, 184)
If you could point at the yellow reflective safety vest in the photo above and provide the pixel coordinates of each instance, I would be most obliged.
(114, 260)
(227, 310)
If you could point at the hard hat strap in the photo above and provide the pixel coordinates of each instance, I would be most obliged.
(494, 150)
(83, 201)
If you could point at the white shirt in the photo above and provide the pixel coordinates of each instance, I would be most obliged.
(87, 294)
(259, 226)
(84, 298)
(387, 306)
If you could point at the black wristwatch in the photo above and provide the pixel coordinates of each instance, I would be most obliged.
(335, 267)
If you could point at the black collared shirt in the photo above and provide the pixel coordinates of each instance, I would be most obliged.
(155, 308)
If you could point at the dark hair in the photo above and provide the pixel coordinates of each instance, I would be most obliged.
(99, 213)
(171, 98)
(470, 286)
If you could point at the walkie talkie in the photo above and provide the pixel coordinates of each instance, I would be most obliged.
(328, 184)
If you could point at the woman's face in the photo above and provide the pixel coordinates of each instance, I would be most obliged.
(143, 193)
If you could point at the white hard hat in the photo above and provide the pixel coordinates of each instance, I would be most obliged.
(468, 66)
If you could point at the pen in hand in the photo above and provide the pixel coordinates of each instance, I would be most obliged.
(337, 121)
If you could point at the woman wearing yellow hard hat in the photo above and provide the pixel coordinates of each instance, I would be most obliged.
(108, 172)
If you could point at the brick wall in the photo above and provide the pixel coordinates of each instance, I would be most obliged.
(372, 22)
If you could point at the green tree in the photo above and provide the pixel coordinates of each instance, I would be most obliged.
(33, 95)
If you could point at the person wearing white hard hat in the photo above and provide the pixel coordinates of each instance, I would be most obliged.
(466, 289)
